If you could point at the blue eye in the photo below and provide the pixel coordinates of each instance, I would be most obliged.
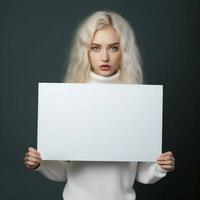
(114, 48)
(96, 49)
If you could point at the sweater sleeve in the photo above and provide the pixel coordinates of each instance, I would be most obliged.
(53, 170)
(149, 172)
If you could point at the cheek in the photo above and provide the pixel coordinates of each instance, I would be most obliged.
(117, 58)
(93, 58)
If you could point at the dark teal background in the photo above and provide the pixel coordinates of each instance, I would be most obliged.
(35, 39)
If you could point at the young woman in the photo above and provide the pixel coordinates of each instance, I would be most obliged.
(104, 51)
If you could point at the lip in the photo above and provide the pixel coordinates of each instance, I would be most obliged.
(105, 67)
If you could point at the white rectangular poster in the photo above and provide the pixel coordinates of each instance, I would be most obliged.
(99, 122)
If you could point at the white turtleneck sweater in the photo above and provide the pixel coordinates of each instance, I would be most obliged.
(94, 78)
(101, 180)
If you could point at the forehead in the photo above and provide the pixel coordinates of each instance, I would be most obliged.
(106, 36)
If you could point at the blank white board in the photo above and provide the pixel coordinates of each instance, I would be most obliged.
(99, 122)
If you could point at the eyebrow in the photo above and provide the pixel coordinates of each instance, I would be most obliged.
(115, 43)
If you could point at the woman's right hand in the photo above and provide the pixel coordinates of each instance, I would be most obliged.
(32, 158)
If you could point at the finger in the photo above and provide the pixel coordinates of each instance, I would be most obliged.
(34, 155)
(165, 157)
(168, 162)
(169, 153)
(31, 149)
(32, 159)
(31, 164)
(167, 167)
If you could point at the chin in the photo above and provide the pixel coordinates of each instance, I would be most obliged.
(107, 73)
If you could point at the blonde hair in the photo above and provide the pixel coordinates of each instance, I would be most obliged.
(79, 66)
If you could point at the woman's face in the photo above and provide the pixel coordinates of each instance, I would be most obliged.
(105, 53)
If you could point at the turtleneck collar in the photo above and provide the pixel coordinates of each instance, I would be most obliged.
(95, 78)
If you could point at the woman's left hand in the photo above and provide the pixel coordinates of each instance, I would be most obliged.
(166, 161)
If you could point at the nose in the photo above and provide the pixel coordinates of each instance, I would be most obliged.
(105, 56)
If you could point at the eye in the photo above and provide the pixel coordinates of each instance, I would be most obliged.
(95, 48)
(114, 48)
